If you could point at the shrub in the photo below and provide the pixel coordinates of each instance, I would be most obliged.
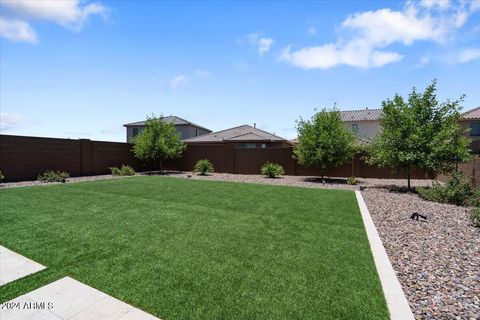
(1, 176)
(202, 167)
(272, 170)
(474, 200)
(352, 181)
(457, 190)
(123, 171)
(53, 176)
(475, 215)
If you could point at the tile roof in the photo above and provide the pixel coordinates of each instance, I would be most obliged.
(176, 121)
(359, 140)
(361, 115)
(240, 133)
(472, 114)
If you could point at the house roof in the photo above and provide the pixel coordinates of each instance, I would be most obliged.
(359, 140)
(473, 114)
(174, 119)
(240, 133)
(361, 115)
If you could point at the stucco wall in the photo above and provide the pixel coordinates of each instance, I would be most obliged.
(366, 129)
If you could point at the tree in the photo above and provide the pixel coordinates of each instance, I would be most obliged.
(323, 141)
(420, 132)
(159, 141)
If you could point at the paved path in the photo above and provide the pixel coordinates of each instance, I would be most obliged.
(14, 266)
(69, 299)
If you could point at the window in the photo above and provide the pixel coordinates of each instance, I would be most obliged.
(355, 128)
(475, 129)
(137, 131)
(246, 145)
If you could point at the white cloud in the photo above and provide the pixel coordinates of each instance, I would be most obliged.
(261, 44)
(353, 54)
(71, 14)
(17, 30)
(439, 4)
(468, 55)
(474, 6)
(178, 80)
(384, 27)
(10, 121)
(264, 45)
(365, 35)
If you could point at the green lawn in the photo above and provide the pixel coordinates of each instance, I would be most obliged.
(189, 249)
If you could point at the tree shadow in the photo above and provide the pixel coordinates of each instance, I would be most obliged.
(161, 173)
(319, 180)
(393, 188)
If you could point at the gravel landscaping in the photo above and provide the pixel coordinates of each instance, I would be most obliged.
(69, 180)
(437, 261)
(301, 181)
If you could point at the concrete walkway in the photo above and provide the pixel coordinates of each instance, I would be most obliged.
(14, 266)
(69, 299)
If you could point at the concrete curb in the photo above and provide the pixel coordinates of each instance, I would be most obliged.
(396, 301)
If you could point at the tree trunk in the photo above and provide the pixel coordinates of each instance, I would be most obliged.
(353, 166)
(408, 177)
(160, 164)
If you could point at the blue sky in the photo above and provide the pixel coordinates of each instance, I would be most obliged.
(81, 69)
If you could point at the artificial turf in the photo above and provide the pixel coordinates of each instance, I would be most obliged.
(190, 249)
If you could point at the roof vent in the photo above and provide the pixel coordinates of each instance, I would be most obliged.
(254, 125)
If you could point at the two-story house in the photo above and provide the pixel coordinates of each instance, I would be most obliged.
(471, 122)
(364, 123)
(186, 128)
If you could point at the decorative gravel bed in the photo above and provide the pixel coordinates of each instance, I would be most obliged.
(69, 180)
(300, 181)
(437, 261)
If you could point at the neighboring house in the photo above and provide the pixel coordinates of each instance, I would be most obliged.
(365, 123)
(471, 122)
(244, 136)
(359, 141)
(186, 128)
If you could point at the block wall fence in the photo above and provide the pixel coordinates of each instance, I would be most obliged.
(24, 158)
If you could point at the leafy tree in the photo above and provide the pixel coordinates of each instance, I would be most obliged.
(323, 141)
(420, 132)
(159, 141)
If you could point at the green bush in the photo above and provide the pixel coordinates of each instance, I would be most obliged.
(123, 171)
(202, 167)
(457, 190)
(53, 176)
(272, 170)
(434, 193)
(474, 200)
(475, 215)
(1, 176)
(352, 181)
